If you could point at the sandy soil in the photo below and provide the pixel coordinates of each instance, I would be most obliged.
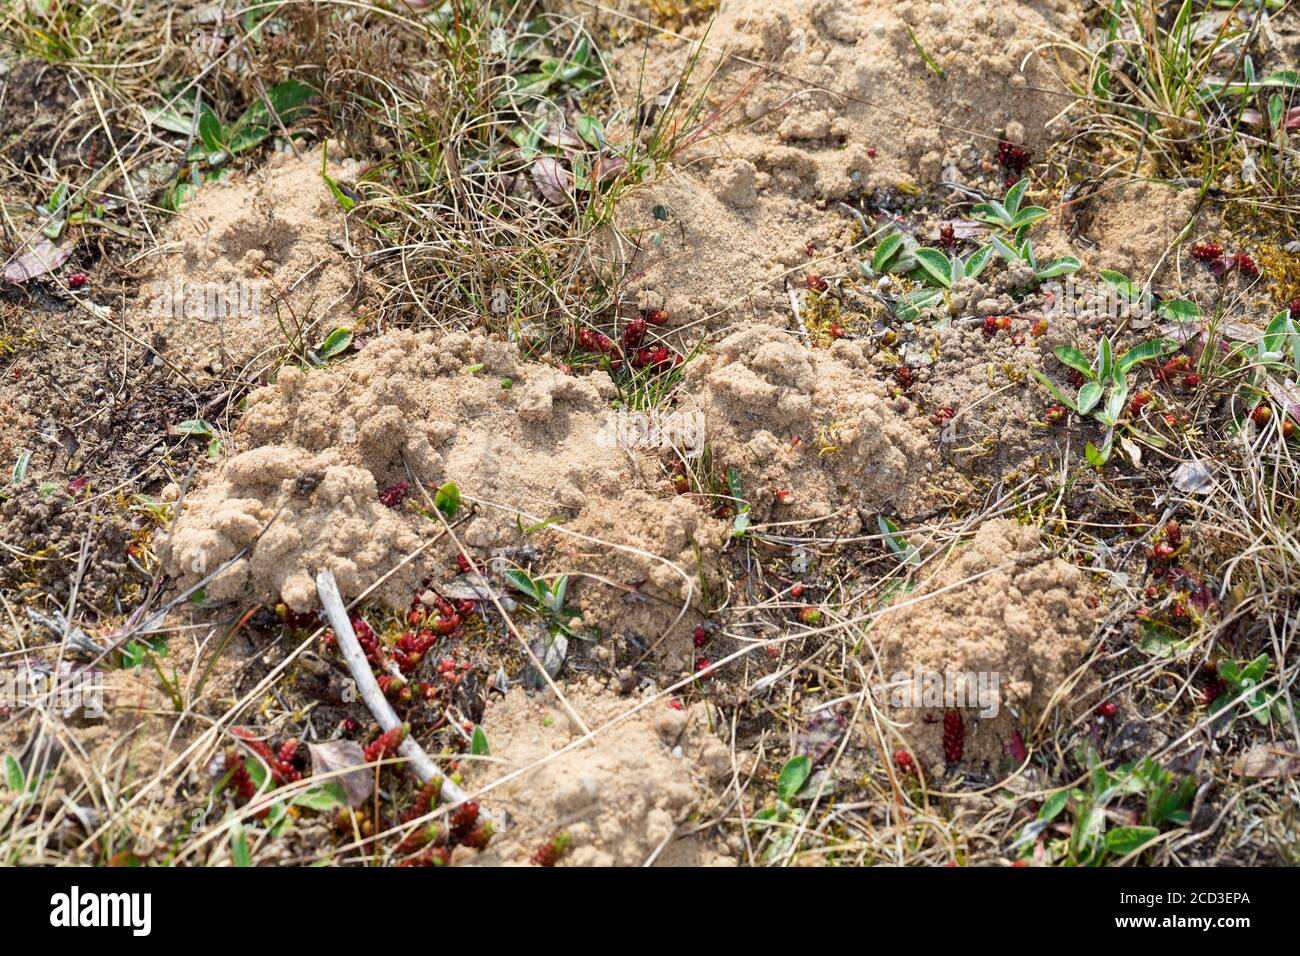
(823, 121)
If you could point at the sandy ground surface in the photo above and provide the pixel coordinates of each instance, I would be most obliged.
(819, 110)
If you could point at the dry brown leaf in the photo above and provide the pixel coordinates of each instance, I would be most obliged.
(1269, 760)
(552, 180)
(335, 755)
(41, 257)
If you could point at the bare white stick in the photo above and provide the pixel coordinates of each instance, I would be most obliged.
(368, 687)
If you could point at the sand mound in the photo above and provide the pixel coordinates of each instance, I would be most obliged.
(250, 264)
(1021, 614)
(815, 423)
(824, 101)
(619, 799)
(1124, 227)
(316, 450)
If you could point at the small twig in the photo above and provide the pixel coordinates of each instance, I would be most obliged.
(368, 687)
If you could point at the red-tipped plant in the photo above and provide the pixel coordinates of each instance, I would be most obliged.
(386, 744)
(634, 333)
(1016, 747)
(464, 819)
(1246, 265)
(394, 495)
(550, 853)
(954, 736)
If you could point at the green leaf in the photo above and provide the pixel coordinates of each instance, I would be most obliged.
(1005, 251)
(793, 776)
(1280, 337)
(1124, 840)
(1015, 195)
(336, 342)
(1061, 266)
(1097, 456)
(907, 554)
(553, 598)
(956, 269)
(1027, 217)
(210, 131)
(1144, 353)
(1117, 279)
(1114, 406)
(239, 847)
(910, 306)
(978, 261)
(1089, 396)
(1026, 252)
(1275, 111)
(1068, 355)
(479, 744)
(171, 119)
(1159, 640)
(255, 13)
(524, 582)
(993, 212)
(886, 251)
(1180, 310)
(1280, 79)
(1105, 358)
(1124, 287)
(283, 100)
(21, 466)
(278, 819)
(14, 775)
(590, 130)
(734, 487)
(1256, 669)
(322, 798)
(1053, 805)
(256, 772)
(447, 500)
(929, 60)
(935, 265)
(195, 426)
(346, 202)
(244, 138)
(1057, 394)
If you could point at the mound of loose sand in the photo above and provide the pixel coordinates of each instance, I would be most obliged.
(316, 449)
(621, 798)
(999, 604)
(252, 263)
(815, 423)
(821, 102)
